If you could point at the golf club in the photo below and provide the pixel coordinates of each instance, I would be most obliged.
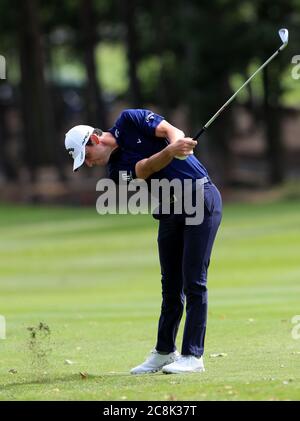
(284, 36)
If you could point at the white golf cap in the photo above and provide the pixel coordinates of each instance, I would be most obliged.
(75, 142)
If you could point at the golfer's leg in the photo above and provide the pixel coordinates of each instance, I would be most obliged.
(170, 244)
(198, 243)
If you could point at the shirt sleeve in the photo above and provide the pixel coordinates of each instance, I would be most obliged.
(145, 120)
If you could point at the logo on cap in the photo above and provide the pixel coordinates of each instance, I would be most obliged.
(85, 137)
(71, 150)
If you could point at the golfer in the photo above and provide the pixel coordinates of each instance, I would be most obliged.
(144, 145)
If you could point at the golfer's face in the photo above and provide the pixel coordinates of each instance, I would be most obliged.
(95, 155)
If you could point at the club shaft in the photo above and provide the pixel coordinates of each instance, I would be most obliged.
(235, 94)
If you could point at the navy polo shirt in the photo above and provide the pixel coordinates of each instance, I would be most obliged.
(134, 131)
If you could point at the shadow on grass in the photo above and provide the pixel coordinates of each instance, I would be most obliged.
(77, 377)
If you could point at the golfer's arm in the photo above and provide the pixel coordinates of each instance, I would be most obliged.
(148, 166)
(165, 129)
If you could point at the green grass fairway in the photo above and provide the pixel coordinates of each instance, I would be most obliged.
(95, 280)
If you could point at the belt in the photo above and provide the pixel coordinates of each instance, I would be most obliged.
(198, 182)
(203, 180)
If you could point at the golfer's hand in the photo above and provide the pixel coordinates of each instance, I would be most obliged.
(182, 148)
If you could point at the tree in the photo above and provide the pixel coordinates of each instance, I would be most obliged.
(129, 17)
(96, 112)
(7, 20)
(271, 16)
(216, 37)
(36, 104)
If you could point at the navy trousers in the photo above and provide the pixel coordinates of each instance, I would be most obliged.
(184, 252)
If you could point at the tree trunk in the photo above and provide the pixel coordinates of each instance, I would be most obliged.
(221, 133)
(218, 136)
(160, 18)
(6, 164)
(129, 9)
(36, 109)
(95, 108)
(274, 153)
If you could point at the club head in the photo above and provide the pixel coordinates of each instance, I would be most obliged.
(284, 36)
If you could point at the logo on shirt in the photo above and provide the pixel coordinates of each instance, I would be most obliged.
(150, 117)
(126, 176)
(139, 140)
(117, 133)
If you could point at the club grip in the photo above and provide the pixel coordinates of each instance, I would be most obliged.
(199, 133)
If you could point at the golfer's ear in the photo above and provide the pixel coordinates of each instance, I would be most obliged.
(95, 138)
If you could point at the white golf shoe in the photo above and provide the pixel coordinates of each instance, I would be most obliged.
(155, 362)
(185, 364)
